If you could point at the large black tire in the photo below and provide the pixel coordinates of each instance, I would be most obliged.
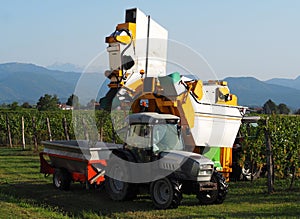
(118, 189)
(62, 179)
(214, 196)
(165, 193)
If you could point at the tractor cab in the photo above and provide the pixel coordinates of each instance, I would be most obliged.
(150, 133)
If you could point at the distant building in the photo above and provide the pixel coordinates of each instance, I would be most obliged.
(259, 110)
(64, 106)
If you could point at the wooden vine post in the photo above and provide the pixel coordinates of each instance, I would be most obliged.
(101, 130)
(65, 126)
(270, 164)
(8, 131)
(114, 139)
(34, 134)
(49, 129)
(23, 133)
(85, 129)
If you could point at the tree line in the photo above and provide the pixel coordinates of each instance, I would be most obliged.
(271, 108)
(49, 102)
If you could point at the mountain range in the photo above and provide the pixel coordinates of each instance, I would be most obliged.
(67, 67)
(28, 82)
(292, 83)
(253, 92)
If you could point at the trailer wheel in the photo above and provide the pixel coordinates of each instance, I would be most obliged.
(165, 193)
(118, 189)
(62, 179)
(214, 196)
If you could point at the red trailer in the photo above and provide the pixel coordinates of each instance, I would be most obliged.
(77, 161)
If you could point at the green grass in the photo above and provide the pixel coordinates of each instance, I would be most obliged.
(25, 193)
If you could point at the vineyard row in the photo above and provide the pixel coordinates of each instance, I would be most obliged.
(32, 127)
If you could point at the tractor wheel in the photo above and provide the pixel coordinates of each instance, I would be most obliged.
(115, 182)
(214, 196)
(165, 193)
(62, 179)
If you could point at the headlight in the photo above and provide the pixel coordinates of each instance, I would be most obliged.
(206, 166)
(205, 169)
(205, 172)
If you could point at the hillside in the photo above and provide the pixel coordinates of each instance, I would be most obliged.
(292, 83)
(28, 82)
(253, 92)
(28, 88)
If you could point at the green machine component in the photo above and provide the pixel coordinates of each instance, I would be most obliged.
(214, 153)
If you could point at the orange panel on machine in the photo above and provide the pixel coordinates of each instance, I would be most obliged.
(226, 162)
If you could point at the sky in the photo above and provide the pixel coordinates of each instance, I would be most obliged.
(259, 38)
